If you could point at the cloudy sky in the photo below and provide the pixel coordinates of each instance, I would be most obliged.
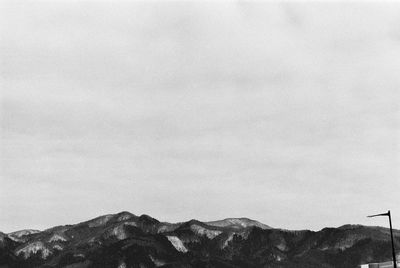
(288, 113)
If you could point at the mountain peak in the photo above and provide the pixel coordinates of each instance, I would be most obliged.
(148, 219)
(124, 215)
(238, 223)
(21, 233)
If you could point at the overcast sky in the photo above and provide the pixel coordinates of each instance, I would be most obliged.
(288, 113)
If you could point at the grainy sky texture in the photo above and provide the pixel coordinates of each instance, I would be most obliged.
(288, 113)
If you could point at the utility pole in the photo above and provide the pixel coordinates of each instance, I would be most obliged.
(391, 234)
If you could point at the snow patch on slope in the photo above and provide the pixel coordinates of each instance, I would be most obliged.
(21, 233)
(226, 242)
(197, 229)
(177, 243)
(33, 248)
(131, 223)
(242, 234)
(117, 232)
(122, 265)
(18, 236)
(123, 216)
(157, 262)
(238, 223)
(58, 247)
(100, 221)
(57, 237)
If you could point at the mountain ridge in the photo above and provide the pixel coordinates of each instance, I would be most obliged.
(129, 240)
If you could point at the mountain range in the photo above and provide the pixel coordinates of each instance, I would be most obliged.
(125, 240)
